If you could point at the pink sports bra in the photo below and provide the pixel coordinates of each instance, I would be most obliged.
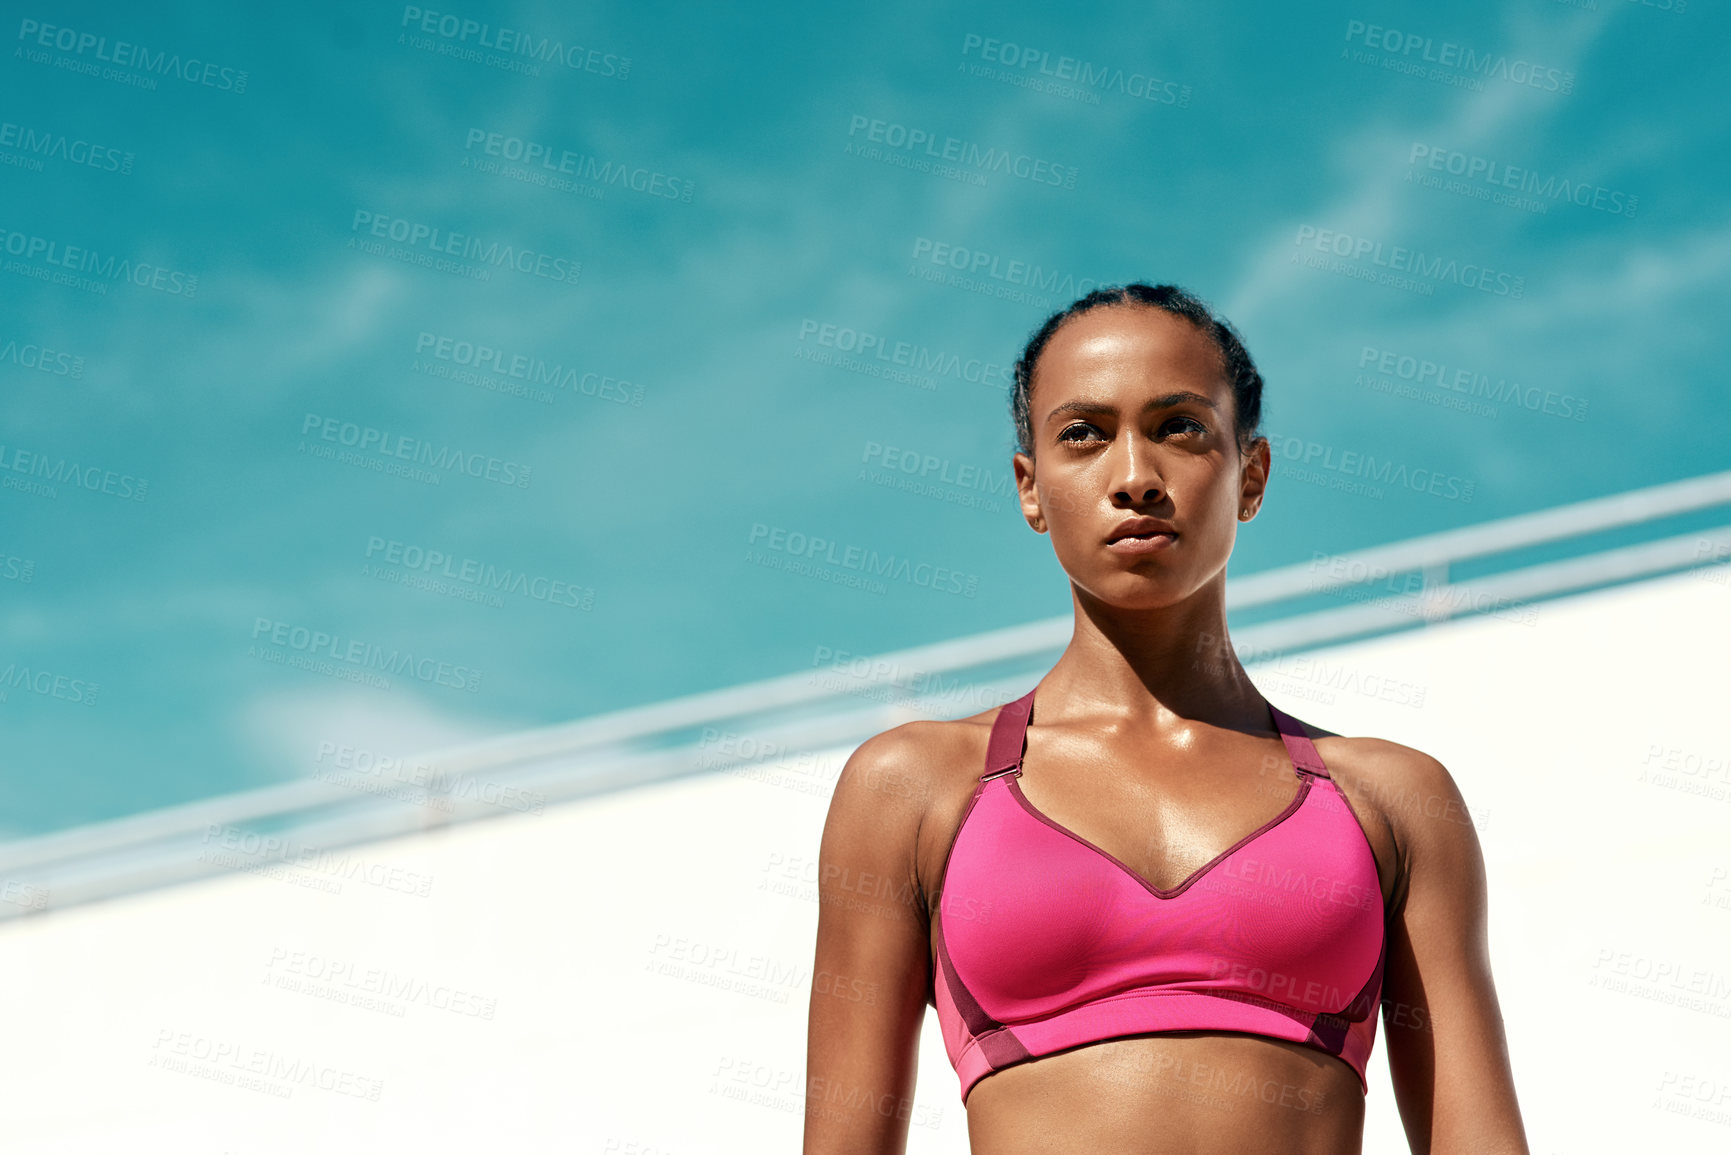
(1046, 942)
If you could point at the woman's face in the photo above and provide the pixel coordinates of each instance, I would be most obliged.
(1132, 416)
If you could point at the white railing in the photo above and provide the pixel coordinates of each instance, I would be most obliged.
(825, 708)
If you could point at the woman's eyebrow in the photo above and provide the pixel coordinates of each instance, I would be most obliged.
(1164, 401)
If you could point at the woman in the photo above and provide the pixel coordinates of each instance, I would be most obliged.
(1153, 912)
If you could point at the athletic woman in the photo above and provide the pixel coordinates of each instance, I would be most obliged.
(1153, 912)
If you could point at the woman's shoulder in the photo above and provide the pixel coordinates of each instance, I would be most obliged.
(929, 756)
(1388, 773)
(912, 783)
(1405, 793)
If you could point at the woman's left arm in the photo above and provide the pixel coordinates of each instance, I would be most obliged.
(1447, 1054)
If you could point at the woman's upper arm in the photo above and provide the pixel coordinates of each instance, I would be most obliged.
(1447, 1053)
(872, 965)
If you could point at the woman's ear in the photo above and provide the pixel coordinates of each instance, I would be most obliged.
(1026, 492)
(1255, 478)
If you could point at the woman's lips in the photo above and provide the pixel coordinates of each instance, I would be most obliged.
(1146, 543)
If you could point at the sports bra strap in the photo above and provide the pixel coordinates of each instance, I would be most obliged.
(1299, 747)
(1010, 734)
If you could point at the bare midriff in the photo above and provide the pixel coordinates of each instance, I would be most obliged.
(1196, 1093)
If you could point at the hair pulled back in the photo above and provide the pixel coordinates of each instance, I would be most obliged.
(1240, 369)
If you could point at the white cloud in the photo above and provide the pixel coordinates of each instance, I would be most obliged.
(284, 729)
(1377, 202)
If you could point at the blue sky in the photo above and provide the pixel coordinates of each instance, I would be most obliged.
(674, 227)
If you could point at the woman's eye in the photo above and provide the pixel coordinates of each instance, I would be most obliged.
(1182, 424)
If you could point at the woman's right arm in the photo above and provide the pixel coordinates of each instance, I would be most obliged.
(873, 962)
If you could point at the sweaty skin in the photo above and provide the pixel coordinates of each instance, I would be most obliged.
(1152, 743)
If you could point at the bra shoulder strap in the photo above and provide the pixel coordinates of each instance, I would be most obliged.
(1299, 747)
(1009, 735)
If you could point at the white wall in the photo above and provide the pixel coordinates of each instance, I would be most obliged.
(644, 958)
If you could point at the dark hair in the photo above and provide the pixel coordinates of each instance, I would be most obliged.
(1240, 370)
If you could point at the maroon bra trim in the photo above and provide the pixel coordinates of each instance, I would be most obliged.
(1009, 735)
(996, 1041)
(1331, 1030)
(1004, 752)
(974, 1016)
(1299, 747)
(1291, 809)
(1009, 739)
(1008, 743)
